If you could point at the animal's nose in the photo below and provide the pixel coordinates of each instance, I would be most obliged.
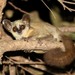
(19, 31)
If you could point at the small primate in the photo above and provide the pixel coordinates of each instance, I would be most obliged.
(25, 28)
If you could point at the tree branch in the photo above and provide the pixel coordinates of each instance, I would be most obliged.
(2, 5)
(66, 7)
(18, 8)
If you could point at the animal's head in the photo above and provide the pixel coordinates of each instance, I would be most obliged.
(18, 27)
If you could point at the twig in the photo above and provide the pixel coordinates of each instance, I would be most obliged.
(26, 69)
(69, 2)
(23, 63)
(67, 29)
(18, 8)
(38, 65)
(18, 65)
(12, 70)
(64, 6)
(48, 8)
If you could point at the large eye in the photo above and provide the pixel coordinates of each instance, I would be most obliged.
(15, 29)
(22, 27)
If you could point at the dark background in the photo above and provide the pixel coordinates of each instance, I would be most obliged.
(31, 5)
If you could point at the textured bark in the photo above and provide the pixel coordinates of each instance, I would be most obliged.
(2, 5)
(13, 45)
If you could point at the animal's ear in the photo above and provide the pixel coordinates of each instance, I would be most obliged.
(7, 24)
(26, 19)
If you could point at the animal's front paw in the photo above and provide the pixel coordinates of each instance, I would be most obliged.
(57, 38)
(25, 39)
